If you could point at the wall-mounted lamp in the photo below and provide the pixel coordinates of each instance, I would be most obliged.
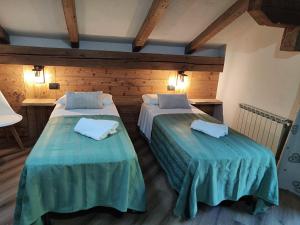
(39, 74)
(178, 82)
(171, 84)
(181, 76)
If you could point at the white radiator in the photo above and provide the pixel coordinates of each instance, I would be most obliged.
(264, 127)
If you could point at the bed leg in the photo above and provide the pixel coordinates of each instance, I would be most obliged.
(117, 214)
(135, 212)
(46, 219)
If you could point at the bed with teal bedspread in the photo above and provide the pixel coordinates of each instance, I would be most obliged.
(205, 169)
(67, 172)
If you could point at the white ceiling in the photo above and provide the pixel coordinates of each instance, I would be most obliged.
(185, 19)
(32, 17)
(105, 19)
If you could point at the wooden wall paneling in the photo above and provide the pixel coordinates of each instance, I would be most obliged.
(124, 84)
(39, 90)
(132, 73)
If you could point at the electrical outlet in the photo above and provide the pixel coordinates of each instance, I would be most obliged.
(54, 85)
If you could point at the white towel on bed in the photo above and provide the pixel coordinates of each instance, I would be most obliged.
(213, 129)
(96, 129)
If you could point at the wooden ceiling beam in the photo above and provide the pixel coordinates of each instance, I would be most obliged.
(275, 13)
(279, 13)
(236, 10)
(257, 14)
(4, 38)
(10, 54)
(156, 11)
(255, 10)
(71, 22)
(291, 39)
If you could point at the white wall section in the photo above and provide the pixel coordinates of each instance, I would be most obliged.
(256, 72)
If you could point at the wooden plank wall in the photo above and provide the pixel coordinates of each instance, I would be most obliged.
(126, 85)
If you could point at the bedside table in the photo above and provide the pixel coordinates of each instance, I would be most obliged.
(38, 112)
(212, 107)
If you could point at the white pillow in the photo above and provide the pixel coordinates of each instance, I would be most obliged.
(150, 99)
(106, 99)
(61, 100)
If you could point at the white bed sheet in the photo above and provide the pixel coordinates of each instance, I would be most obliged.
(148, 112)
(60, 110)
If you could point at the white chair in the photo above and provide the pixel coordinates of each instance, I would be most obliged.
(8, 118)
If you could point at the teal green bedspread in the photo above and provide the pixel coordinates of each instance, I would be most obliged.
(205, 169)
(67, 172)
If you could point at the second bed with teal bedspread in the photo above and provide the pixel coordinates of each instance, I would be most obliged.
(67, 172)
(205, 169)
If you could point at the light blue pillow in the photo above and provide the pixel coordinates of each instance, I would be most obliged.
(173, 101)
(84, 100)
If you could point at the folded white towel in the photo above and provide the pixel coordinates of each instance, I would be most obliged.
(212, 129)
(96, 129)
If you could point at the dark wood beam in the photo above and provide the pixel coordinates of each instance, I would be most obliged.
(4, 38)
(255, 10)
(156, 11)
(275, 13)
(283, 11)
(291, 39)
(279, 13)
(71, 21)
(88, 58)
(237, 9)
